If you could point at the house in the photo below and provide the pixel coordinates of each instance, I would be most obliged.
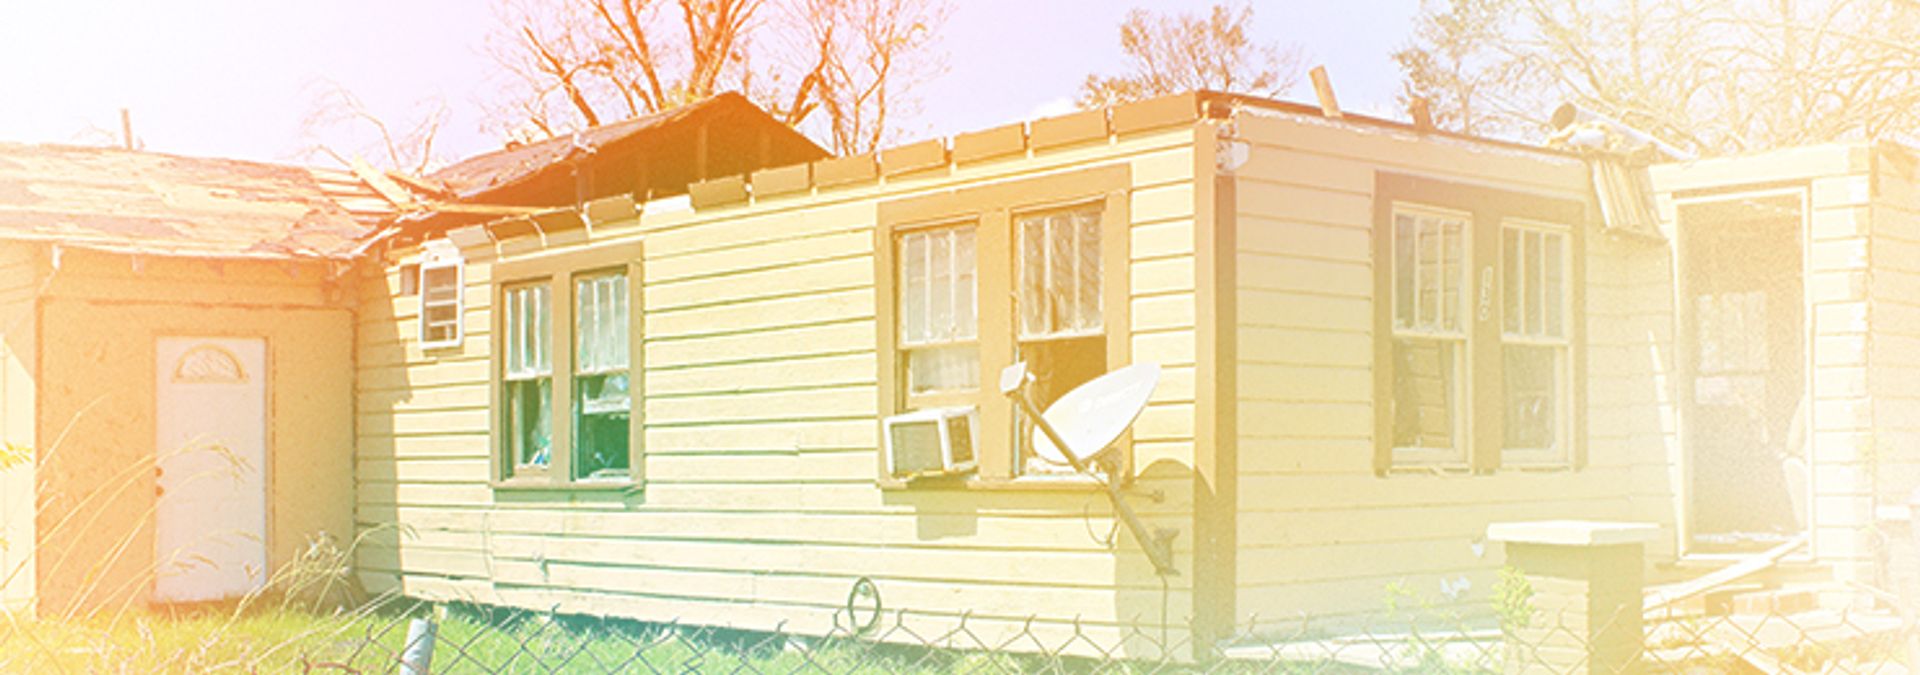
(715, 454)
(178, 413)
(1375, 339)
(650, 371)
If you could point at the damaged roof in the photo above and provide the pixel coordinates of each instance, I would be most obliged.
(667, 148)
(144, 202)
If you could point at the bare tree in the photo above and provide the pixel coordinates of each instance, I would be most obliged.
(1719, 75)
(1168, 54)
(834, 68)
(336, 111)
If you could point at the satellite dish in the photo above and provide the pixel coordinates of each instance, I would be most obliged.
(1092, 416)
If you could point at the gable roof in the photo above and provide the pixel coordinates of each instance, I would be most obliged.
(658, 149)
(152, 203)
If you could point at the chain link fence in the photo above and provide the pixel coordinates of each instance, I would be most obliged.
(467, 639)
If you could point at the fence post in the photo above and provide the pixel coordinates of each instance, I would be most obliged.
(1587, 581)
(416, 657)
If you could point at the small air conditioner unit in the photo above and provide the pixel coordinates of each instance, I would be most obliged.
(932, 442)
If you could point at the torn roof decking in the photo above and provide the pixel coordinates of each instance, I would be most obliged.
(156, 204)
(662, 152)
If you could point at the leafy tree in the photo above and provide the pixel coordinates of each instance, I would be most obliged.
(1168, 54)
(1721, 76)
(837, 69)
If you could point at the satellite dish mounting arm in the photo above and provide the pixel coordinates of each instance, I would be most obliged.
(1157, 544)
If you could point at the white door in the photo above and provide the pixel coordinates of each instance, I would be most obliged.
(210, 412)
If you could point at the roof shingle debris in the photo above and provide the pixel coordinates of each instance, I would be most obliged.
(157, 204)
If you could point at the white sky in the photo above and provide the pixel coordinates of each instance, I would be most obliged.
(236, 78)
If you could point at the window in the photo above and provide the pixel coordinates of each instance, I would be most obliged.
(1534, 345)
(566, 401)
(441, 278)
(528, 376)
(1061, 329)
(939, 327)
(602, 390)
(1429, 337)
(978, 278)
(1478, 360)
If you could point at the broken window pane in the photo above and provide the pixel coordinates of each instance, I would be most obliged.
(1533, 366)
(602, 400)
(530, 420)
(528, 380)
(1426, 377)
(1533, 397)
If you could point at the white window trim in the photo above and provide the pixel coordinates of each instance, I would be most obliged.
(1422, 455)
(440, 255)
(1560, 455)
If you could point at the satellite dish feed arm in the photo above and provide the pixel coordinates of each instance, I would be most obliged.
(1158, 545)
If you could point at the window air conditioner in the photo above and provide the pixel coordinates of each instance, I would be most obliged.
(935, 441)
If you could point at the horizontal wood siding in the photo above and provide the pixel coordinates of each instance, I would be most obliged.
(1319, 533)
(1890, 373)
(19, 285)
(761, 432)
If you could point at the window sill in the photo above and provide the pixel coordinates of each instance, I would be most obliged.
(1064, 483)
(543, 485)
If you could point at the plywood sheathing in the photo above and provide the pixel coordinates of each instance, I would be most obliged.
(782, 180)
(611, 209)
(1154, 113)
(1080, 127)
(912, 157)
(845, 170)
(718, 192)
(989, 143)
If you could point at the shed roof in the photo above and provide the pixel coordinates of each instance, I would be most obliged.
(152, 203)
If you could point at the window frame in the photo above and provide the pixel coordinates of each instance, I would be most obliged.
(938, 398)
(441, 259)
(1461, 337)
(1558, 454)
(994, 209)
(558, 271)
(1483, 404)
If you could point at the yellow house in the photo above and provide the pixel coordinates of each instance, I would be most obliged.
(1374, 340)
(178, 414)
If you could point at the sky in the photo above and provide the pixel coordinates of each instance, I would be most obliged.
(239, 78)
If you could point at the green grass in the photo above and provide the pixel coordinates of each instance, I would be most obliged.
(214, 640)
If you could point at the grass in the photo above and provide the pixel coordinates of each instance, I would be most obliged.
(369, 640)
